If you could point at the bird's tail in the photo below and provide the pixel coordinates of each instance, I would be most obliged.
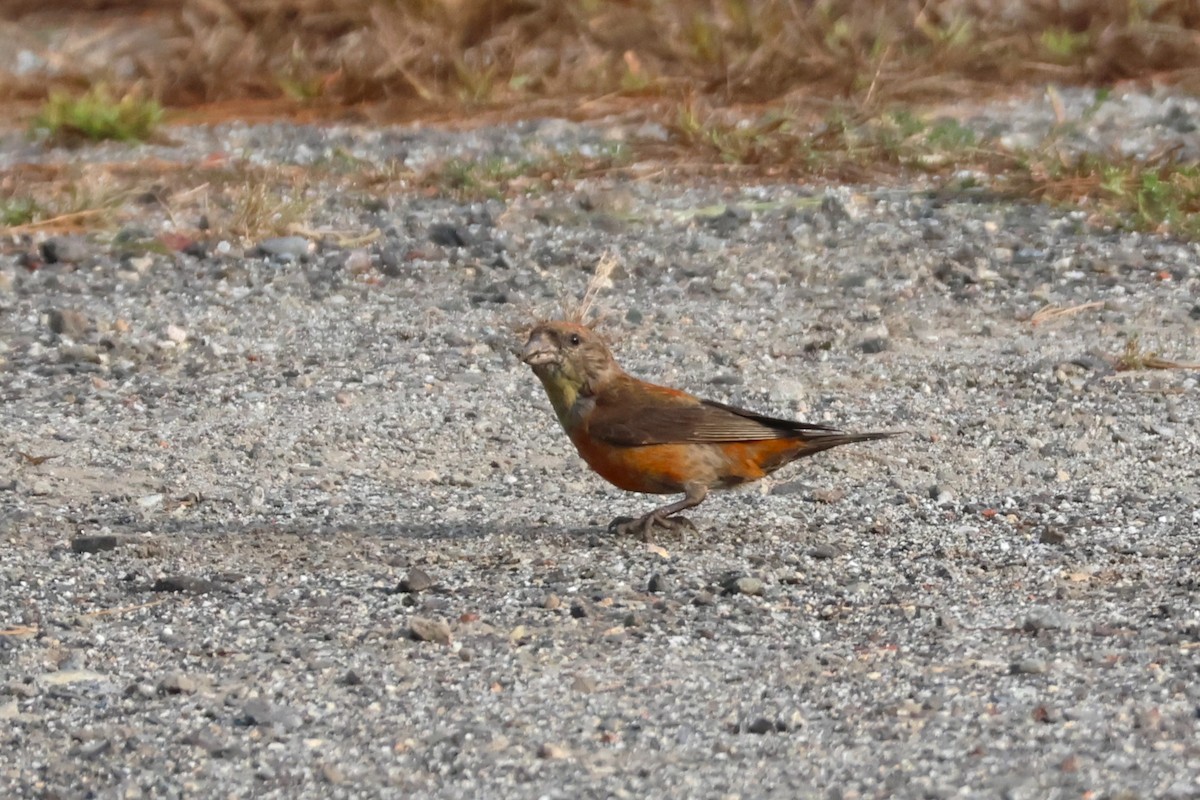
(816, 441)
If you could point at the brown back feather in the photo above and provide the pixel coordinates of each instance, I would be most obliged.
(646, 414)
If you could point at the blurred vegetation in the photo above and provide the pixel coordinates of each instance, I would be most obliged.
(96, 115)
(820, 90)
(472, 52)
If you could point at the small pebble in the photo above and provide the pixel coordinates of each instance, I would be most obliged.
(873, 345)
(262, 712)
(289, 247)
(553, 751)
(660, 583)
(332, 774)
(65, 250)
(744, 585)
(823, 551)
(760, 726)
(1052, 536)
(68, 322)
(177, 683)
(585, 684)
(1029, 666)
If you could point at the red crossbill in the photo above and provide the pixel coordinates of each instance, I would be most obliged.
(653, 439)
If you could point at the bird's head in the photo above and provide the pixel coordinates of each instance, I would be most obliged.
(571, 360)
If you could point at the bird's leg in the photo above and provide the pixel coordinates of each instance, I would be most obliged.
(663, 517)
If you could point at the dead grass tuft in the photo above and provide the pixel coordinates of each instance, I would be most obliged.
(1136, 357)
(1051, 313)
(585, 311)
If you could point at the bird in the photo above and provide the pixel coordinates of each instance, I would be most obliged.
(642, 437)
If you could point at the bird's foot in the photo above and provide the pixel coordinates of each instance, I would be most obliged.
(643, 527)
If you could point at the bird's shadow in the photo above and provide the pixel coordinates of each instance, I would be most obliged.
(384, 531)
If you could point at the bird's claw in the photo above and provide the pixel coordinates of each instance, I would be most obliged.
(679, 525)
(621, 525)
(644, 526)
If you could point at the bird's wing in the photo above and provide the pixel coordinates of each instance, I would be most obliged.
(643, 414)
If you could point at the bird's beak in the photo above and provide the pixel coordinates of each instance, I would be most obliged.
(539, 350)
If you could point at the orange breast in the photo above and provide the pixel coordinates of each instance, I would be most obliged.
(668, 468)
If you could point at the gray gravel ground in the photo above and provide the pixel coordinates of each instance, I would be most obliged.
(333, 544)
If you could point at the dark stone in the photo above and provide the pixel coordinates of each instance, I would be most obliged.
(743, 584)
(68, 322)
(1052, 536)
(417, 580)
(64, 250)
(660, 583)
(823, 551)
(95, 544)
(875, 344)
(448, 235)
(725, 223)
(260, 712)
(186, 583)
(760, 726)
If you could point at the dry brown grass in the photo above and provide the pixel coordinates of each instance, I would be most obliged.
(1052, 313)
(775, 88)
(1135, 357)
(463, 53)
(239, 201)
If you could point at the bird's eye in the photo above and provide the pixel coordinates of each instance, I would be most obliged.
(574, 340)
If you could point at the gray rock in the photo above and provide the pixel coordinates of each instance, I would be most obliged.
(429, 630)
(728, 221)
(97, 543)
(743, 584)
(188, 584)
(824, 551)
(262, 712)
(585, 684)
(80, 354)
(448, 235)
(660, 583)
(1049, 620)
(177, 683)
(1029, 666)
(417, 580)
(333, 774)
(65, 250)
(25, 689)
(286, 247)
(1054, 536)
(68, 322)
(760, 726)
(874, 344)
(551, 751)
